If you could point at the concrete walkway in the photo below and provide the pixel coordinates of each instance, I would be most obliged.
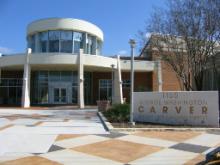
(77, 138)
(34, 131)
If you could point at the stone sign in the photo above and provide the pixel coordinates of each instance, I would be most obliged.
(197, 108)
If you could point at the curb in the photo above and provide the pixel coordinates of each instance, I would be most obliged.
(108, 126)
(105, 122)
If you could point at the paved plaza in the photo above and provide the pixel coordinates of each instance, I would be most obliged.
(54, 137)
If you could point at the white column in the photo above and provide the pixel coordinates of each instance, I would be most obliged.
(118, 95)
(81, 79)
(159, 76)
(26, 82)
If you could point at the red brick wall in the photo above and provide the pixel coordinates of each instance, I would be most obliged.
(143, 81)
(170, 80)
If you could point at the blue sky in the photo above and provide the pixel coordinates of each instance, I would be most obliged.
(120, 20)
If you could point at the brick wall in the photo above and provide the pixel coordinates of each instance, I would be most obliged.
(170, 80)
(142, 82)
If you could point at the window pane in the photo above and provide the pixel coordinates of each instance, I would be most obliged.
(126, 83)
(66, 76)
(75, 79)
(43, 41)
(77, 36)
(99, 47)
(43, 93)
(66, 46)
(54, 37)
(76, 46)
(43, 76)
(103, 93)
(89, 44)
(74, 95)
(66, 35)
(44, 36)
(31, 42)
(105, 89)
(77, 39)
(66, 41)
(54, 76)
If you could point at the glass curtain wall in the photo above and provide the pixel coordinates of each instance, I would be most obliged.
(39, 87)
(88, 88)
(99, 47)
(10, 91)
(41, 80)
(31, 42)
(54, 37)
(89, 44)
(74, 87)
(77, 42)
(66, 41)
(43, 37)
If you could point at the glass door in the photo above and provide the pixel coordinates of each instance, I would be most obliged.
(63, 95)
(60, 96)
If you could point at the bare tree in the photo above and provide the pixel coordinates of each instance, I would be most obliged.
(186, 35)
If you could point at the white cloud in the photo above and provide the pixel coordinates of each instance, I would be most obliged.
(5, 50)
(122, 52)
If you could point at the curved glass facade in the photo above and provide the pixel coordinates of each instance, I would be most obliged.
(65, 41)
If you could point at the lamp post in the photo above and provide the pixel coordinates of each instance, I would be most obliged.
(112, 81)
(132, 44)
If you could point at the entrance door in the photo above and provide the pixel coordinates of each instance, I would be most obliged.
(60, 96)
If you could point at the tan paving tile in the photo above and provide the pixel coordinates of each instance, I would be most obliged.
(177, 136)
(67, 136)
(38, 123)
(118, 150)
(38, 116)
(20, 116)
(13, 117)
(33, 160)
(7, 126)
(199, 159)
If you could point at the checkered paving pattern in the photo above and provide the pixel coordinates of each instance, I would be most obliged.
(115, 148)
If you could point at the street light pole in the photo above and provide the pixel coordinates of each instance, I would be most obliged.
(132, 44)
(112, 81)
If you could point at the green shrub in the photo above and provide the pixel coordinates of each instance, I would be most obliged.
(118, 113)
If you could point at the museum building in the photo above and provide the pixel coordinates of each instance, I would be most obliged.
(64, 64)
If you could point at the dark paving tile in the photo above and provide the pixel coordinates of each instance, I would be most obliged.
(55, 148)
(30, 125)
(113, 135)
(190, 147)
(37, 153)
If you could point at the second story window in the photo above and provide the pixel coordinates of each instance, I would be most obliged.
(43, 41)
(54, 37)
(77, 39)
(66, 42)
